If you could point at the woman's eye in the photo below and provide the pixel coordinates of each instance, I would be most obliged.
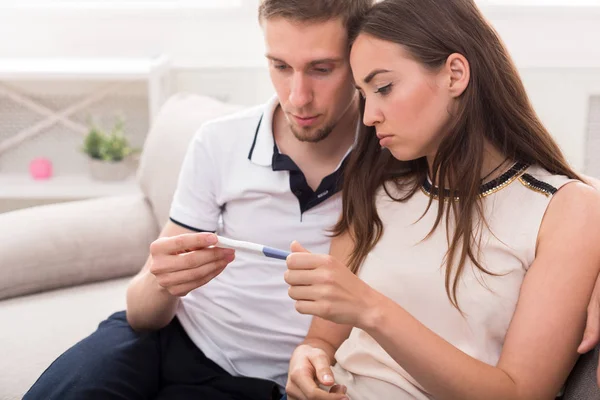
(384, 90)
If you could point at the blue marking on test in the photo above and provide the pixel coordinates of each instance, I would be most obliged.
(275, 253)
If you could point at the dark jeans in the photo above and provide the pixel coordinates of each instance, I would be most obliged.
(116, 362)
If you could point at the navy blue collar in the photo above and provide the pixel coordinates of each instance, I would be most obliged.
(307, 197)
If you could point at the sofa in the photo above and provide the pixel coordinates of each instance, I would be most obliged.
(65, 267)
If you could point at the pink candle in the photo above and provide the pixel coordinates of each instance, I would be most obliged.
(40, 168)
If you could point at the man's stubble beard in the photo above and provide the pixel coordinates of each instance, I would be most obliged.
(319, 135)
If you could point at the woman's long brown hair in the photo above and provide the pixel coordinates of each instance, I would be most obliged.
(494, 107)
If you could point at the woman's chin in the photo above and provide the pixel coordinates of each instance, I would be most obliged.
(402, 154)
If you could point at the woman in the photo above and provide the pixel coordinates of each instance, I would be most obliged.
(473, 241)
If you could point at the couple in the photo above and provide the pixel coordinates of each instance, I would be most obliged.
(461, 266)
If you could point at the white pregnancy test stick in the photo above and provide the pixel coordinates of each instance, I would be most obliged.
(252, 247)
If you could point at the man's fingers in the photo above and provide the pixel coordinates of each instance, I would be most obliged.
(185, 288)
(320, 362)
(191, 275)
(202, 257)
(591, 335)
(183, 243)
(190, 261)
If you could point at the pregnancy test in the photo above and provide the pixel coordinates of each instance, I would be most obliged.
(252, 247)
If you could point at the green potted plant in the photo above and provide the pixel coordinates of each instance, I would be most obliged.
(109, 152)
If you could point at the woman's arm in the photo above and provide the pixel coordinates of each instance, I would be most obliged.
(325, 334)
(313, 358)
(541, 343)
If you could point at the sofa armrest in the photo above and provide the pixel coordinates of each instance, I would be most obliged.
(67, 244)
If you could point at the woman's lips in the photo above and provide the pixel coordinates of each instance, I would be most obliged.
(384, 139)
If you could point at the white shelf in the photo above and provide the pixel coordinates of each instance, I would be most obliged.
(18, 186)
(81, 68)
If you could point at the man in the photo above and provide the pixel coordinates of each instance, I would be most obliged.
(204, 322)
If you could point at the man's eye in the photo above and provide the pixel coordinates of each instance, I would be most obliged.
(280, 67)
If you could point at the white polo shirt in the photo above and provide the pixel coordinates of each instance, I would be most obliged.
(244, 319)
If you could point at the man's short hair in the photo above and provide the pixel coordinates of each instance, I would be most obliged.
(349, 11)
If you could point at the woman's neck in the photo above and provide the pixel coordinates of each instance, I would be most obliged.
(494, 164)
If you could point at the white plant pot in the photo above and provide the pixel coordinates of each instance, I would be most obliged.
(110, 171)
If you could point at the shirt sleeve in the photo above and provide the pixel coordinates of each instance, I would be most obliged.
(194, 203)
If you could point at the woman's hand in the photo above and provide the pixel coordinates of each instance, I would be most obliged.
(310, 366)
(323, 286)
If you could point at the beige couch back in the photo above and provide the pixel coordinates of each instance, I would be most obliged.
(166, 144)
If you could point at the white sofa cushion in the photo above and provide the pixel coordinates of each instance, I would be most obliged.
(68, 244)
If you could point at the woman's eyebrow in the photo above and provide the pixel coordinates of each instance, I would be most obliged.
(373, 74)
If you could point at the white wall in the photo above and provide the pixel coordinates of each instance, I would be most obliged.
(561, 96)
(537, 36)
(220, 52)
(192, 37)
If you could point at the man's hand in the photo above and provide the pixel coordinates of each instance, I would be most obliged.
(186, 262)
(591, 336)
(310, 366)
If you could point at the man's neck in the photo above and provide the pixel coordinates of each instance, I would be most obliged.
(317, 160)
(332, 148)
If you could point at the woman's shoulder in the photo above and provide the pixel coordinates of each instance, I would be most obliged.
(541, 180)
(538, 190)
(574, 207)
(576, 195)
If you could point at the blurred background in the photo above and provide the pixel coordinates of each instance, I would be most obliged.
(85, 85)
(81, 80)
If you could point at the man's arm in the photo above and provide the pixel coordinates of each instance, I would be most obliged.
(149, 305)
(179, 262)
(591, 336)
